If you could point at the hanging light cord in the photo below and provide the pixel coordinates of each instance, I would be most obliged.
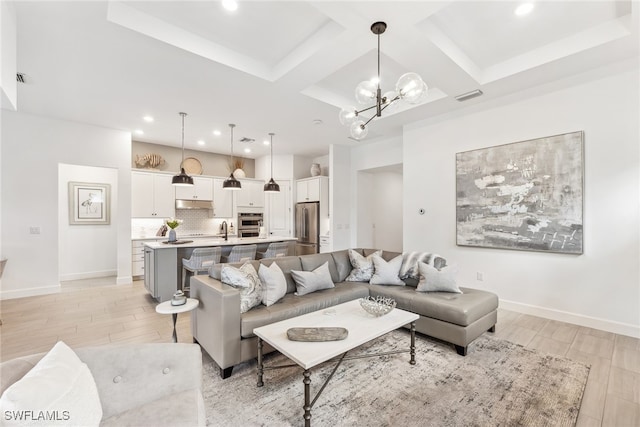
(231, 125)
(182, 114)
(271, 146)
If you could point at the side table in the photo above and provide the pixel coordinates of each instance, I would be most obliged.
(167, 308)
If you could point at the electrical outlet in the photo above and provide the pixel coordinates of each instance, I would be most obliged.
(34, 230)
(479, 276)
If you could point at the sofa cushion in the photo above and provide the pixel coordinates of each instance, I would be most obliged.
(386, 255)
(183, 408)
(313, 261)
(286, 264)
(460, 309)
(386, 273)
(274, 285)
(343, 264)
(292, 305)
(362, 266)
(60, 382)
(311, 281)
(434, 280)
(247, 281)
(216, 270)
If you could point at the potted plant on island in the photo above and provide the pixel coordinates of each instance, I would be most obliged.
(172, 223)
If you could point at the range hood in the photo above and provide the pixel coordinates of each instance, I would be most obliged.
(194, 204)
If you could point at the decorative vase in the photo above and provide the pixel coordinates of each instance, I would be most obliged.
(239, 173)
(315, 169)
(172, 235)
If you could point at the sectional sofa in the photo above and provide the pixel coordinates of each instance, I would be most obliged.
(227, 335)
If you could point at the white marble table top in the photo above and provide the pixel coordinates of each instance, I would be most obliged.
(362, 327)
(167, 308)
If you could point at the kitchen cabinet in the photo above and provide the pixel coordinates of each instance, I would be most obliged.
(160, 277)
(222, 200)
(152, 195)
(202, 189)
(314, 189)
(137, 256)
(251, 195)
(278, 212)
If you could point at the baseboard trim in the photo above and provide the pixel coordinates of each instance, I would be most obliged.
(87, 275)
(29, 292)
(124, 280)
(576, 319)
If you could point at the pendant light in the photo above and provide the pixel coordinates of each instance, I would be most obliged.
(271, 186)
(231, 183)
(182, 179)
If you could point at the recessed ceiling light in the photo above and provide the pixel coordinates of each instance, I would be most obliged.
(247, 150)
(265, 142)
(230, 5)
(139, 132)
(200, 142)
(148, 119)
(217, 132)
(523, 9)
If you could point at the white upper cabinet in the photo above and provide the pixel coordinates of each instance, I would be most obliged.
(251, 194)
(311, 189)
(152, 195)
(202, 189)
(222, 200)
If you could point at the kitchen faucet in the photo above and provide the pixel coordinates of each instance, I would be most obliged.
(226, 230)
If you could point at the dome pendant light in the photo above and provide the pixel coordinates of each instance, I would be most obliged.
(231, 183)
(182, 179)
(271, 186)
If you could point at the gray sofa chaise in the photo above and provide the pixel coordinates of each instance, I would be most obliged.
(138, 384)
(227, 335)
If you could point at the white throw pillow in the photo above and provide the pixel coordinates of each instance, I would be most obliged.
(59, 390)
(386, 273)
(362, 267)
(434, 280)
(247, 281)
(274, 284)
(311, 281)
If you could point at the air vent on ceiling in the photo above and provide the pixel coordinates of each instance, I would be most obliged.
(21, 78)
(246, 140)
(469, 95)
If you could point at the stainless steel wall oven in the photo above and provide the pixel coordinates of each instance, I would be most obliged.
(249, 224)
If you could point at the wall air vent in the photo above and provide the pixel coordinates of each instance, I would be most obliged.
(21, 78)
(247, 140)
(469, 95)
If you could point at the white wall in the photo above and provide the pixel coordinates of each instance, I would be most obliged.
(87, 251)
(8, 70)
(386, 206)
(32, 149)
(340, 196)
(599, 288)
(364, 206)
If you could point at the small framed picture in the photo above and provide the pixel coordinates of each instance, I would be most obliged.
(89, 203)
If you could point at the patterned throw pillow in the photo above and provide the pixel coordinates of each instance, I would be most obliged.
(386, 273)
(410, 260)
(247, 281)
(434, 280)
(362, 266)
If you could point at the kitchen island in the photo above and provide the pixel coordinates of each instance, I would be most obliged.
(163, 261)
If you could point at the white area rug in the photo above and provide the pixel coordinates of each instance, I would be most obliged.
(497, 384)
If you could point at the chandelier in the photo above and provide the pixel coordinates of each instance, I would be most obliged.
(409, 88)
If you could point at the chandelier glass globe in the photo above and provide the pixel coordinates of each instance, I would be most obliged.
(410, 87)
(347, 115)
(358, 130)
(366, 92)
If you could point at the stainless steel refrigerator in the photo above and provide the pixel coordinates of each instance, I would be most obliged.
(307, 228)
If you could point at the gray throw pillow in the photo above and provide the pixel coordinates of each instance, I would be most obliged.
(434, 280)
(274, 284)
(362, 266)
(247, 281)
(311, 281)
(386, 273)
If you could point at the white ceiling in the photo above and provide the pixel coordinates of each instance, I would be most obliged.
(278, 66)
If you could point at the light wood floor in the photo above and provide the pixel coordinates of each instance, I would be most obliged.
(95, 312)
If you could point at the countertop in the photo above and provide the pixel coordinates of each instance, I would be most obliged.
(183, 236)
(217, 241)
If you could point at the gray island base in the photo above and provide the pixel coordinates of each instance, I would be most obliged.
(163, 262)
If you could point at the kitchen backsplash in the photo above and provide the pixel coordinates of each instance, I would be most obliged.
(193, 221)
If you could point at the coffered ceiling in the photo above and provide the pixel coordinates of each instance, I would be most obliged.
(281, 66)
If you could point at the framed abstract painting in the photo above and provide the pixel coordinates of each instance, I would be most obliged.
(525, 195)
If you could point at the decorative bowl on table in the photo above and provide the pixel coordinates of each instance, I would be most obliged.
(378, 306)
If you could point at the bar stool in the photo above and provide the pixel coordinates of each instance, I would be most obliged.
(274, 250)
(241, 253)
(202, 259)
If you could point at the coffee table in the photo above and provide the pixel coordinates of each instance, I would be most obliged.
(362, 327)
